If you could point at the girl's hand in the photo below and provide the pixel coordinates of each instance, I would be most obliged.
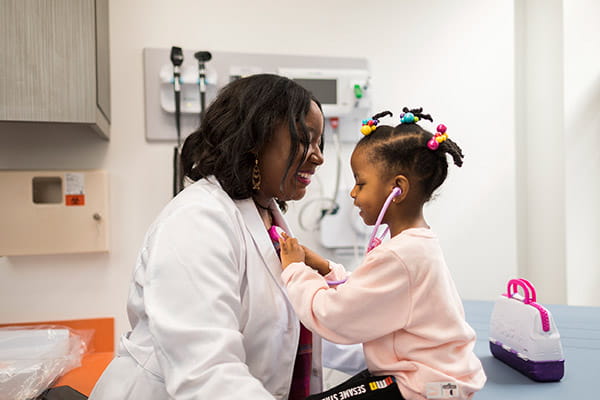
(290, 250)
(315, 261)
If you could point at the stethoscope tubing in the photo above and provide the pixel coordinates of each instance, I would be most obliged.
(374, 240)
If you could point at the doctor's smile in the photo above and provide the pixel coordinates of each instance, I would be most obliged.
(304, 177)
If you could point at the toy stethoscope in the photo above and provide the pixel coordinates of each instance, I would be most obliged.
(374, 241)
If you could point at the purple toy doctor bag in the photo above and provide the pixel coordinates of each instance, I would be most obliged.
(524, 336)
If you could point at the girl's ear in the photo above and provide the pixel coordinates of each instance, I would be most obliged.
(402, 182)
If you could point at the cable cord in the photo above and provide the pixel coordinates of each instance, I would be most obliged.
(177, 60)
(177, 176)
(334, 205)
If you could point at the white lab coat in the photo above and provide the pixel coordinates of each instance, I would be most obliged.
(210, 317)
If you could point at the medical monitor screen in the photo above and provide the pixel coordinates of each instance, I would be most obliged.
(323, 89)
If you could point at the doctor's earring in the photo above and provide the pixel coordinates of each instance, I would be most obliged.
(255, 176)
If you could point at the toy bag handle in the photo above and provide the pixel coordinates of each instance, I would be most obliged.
(528, 289)
(530, 298)
(531, 289)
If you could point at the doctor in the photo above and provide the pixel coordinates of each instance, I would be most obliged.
(210, 318)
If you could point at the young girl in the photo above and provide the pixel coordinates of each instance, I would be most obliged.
(401, 302)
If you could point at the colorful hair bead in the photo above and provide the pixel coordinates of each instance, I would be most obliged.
(368, 126)
(408, 118)
(438, 138)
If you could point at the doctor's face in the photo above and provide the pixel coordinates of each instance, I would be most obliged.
(273, 160)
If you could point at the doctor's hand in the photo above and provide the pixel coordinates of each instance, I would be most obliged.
(290, 250)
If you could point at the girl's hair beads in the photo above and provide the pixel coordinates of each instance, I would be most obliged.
(407, 148)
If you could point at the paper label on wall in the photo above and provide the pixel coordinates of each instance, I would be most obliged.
(74, 189)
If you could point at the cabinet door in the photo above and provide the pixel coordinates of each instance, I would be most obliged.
(47, 60)
(103, 59)
(53, 212)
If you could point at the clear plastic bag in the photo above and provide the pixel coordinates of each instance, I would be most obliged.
(33, 357)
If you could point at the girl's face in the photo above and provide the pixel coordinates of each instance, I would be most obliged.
(274, 158)
(371, 188)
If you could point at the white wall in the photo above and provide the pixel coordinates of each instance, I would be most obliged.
(540, 145)
(557, 100)
(456, 59)
(582, 149)
(466, 81)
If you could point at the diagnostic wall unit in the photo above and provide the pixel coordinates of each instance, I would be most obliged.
(53, 212)
(340, 83)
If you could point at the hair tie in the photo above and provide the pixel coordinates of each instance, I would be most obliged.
(408, 118)
(439, 137)
(368, 126)
(411, 116)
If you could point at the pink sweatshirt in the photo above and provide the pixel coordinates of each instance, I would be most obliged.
(402, 304)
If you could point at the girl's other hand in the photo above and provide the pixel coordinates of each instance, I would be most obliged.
(290, 250)
(315, 261)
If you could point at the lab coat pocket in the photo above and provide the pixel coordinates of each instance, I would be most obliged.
(125, 379)
(146, 386)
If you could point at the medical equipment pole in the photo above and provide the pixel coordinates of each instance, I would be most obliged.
(202, 57)
(177, 60)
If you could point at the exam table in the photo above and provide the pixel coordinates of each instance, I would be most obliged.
(579, 329)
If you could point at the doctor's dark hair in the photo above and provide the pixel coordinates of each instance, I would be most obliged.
(403, 150)
(238, 124)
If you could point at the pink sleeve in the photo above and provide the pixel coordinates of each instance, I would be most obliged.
(337, 272)
(374, 302)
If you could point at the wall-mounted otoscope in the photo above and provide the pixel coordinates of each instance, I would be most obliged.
(202, 57)
(177, 60)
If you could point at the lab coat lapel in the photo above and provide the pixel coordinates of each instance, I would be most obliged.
(260, 236)
(279, 220)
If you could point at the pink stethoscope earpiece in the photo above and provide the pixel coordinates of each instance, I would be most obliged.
(375, 241)
(275, 233)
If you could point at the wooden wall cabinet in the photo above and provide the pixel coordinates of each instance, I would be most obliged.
(54, 63)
